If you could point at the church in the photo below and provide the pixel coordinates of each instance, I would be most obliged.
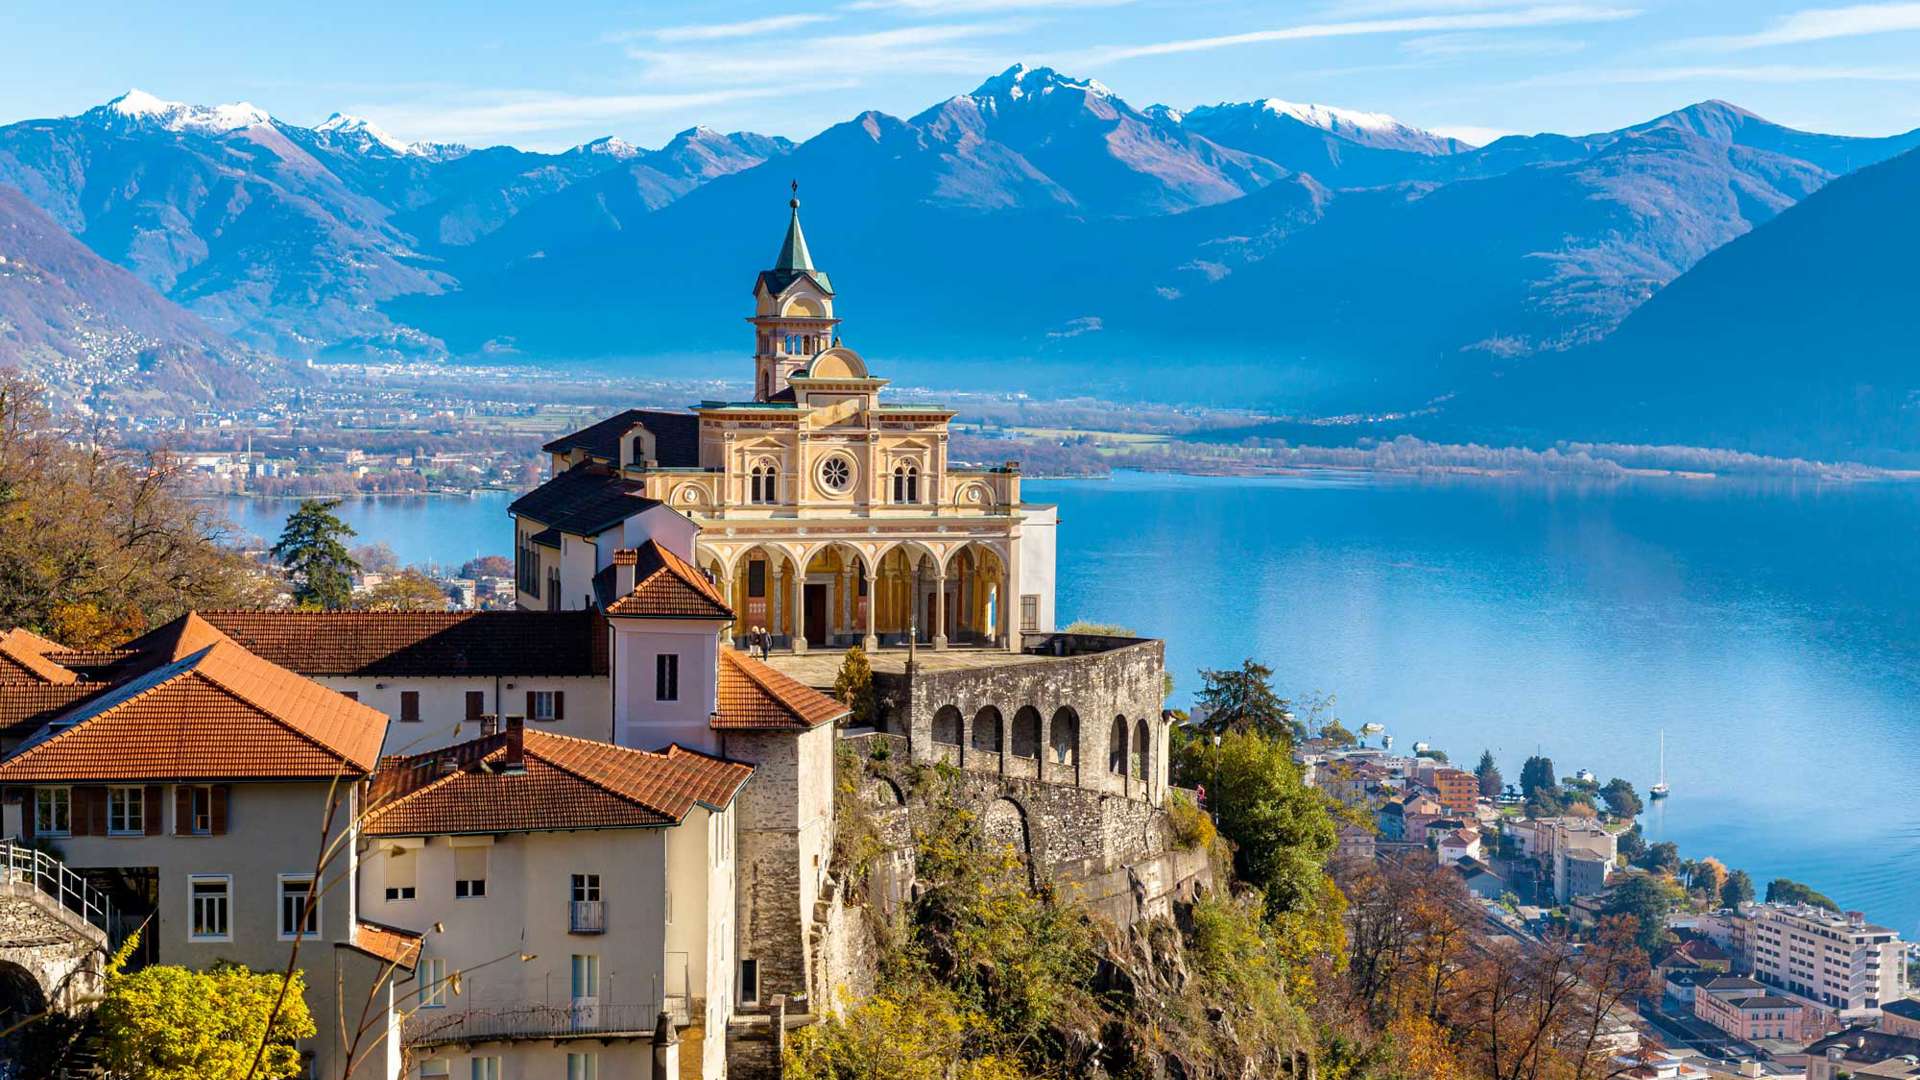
(826, 516)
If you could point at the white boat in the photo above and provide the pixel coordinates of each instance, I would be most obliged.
(1660, 790)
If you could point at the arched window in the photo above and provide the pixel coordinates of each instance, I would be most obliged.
(763, 488)
(1142, 750)
(906, 483)
(1026, 732)
(1065, 737)
(946, 726)
(1117, 747)
(986, 729)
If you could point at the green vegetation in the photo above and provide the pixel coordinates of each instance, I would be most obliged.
(1242, 700)
(97, 544)
(166, 1022)
(1622, 801)
(853, 687)
(1193, 827)
(1737, 890)
(313, 549)
(1491, 782)
(407, 590)
(1280, 829)
(1649, 900)
(1787, 891)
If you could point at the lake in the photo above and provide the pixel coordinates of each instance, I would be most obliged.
(1772, 630)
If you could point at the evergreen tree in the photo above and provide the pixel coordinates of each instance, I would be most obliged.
(1633, 844)
(1242, 700)
(1537, 775)
(853, 687)
(311, 547)
(1788, 891)
(1622, 800)
(1491, 782)
(1738, 889)
(1649, 900)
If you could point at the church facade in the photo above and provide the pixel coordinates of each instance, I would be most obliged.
(826, 515)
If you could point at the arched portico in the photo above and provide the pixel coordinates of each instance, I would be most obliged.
(834, 605)
(908, 577)
(975, 595)
(760, 585)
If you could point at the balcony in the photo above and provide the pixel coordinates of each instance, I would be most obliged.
(587, 917)
(529, 1020)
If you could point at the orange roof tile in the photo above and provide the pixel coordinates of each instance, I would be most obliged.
(26, 706)
(666, 586)
(753, 696)
(23, 657)
(398, 947)
(565, 783)
(216, 713)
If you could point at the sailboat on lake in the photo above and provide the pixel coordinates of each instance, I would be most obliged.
(1660, 790)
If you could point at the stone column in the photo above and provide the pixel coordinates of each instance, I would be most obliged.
(800, 611)
(940, 609)
(773, 595)
(872, 641)
(1010, 618)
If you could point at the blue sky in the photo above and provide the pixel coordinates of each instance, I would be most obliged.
(554, 75)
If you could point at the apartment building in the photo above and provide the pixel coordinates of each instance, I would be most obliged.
(1457, 790)
(1745, 1009)
(1836, 960)
(577, 888)
(1577, 853)
(192, 787)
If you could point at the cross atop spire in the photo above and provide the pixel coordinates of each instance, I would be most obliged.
(793, 251)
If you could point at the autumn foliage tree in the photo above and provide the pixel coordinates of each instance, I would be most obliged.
(99, 543)
(166, 1022)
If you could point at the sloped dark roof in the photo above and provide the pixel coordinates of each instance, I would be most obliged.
(1865, 1044)
(26, 706)
(1905, 1008)
(439, 643)
(676, 437)
(586, 500)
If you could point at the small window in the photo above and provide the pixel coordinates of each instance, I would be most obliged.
(586, 887)
(402, 871)
(299, 907)
(201, 811)
(433, 983)
(666, 677)
(836, 474)
(126, 811)
(211, 900)
(53, 811)
(486, 1068)
(749, 980)
(757, 578)
(1029, 612)
(586, 975)
(476, 705)
(436, 1068)
(583, 1067)
(410, 706)
(469, 872)
(540, 705)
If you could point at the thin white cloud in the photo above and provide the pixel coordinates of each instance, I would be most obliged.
(1505, 19)
(1826, 24)
(1482, 45)
(1746, 73)
(924, 48)
(772, 24)
(482, 119)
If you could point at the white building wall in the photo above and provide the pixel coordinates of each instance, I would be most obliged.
(1039, 535)
(443, 706)
(640, 718)
(578, 561)
(670, 528)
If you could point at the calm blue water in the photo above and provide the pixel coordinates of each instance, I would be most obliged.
(1773, 632)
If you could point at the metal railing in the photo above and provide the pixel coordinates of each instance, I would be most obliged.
(53, 880)
(601, 1019)
(587, 917)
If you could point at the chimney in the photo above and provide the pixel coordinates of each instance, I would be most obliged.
(516, 744)
(489, 724)
(624, 562)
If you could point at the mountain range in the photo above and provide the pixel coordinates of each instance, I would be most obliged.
(1039, 228)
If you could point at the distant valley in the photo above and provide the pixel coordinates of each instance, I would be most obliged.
(1038, 233)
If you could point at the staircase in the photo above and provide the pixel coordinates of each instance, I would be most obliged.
(53, 924)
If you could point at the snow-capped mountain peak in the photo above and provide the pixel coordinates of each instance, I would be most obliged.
(139, 107)
(361, 133)
(1021, 81)
(1330, 118)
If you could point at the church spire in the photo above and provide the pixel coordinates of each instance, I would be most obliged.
(793, 251)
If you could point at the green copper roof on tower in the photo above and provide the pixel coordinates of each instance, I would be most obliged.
(794, 258)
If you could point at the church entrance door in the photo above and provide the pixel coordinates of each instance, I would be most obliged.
(817, 601)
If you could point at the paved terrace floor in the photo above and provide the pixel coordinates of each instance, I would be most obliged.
(819, 666)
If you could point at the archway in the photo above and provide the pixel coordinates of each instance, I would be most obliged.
(762, 584)
(987, 734)
(1026, 732)
(1064, 740)
(905, 583)
(834, 600)
(947, 725)
(1004, 825)
(20, 997)
(1142, 754)
(1117, 747)
(976, 595)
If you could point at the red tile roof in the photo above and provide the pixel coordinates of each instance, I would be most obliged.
(565, 783)
(440, 643)
(753, 696)
(666, 586)
(215, 713)
(25, 707)
(23, 658)
(395, 946)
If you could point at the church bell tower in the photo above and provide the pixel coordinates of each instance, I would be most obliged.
(793, 313)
